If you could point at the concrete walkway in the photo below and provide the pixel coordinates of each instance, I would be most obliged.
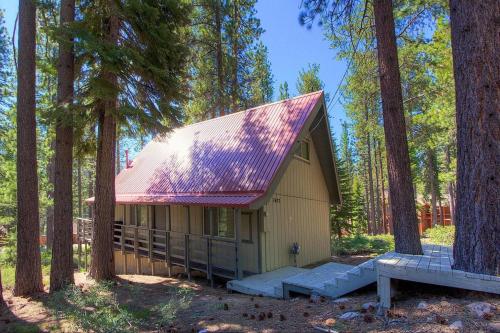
(265, 284)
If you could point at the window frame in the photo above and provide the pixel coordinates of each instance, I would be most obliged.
(213, 224)
(299, 150)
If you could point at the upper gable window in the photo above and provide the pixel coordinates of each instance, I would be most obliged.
(302, 150)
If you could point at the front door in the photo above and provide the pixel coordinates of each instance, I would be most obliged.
(249, 243)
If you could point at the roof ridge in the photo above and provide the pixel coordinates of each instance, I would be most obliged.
(253, 108)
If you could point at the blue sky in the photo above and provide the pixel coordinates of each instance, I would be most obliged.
(291, 48)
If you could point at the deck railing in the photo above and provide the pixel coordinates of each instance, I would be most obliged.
(212, 255)
(82, 227)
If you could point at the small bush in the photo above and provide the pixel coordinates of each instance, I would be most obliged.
(167, 312)
(8, 276)
(95, 310)
(99, 310)
(363, 244)
(441, 235)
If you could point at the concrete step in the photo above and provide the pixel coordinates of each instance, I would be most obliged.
(355, 278)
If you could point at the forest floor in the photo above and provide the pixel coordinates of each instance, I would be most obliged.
(138, 303)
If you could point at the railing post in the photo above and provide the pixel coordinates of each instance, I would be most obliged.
(167, 253)
(150, 244)
(237, 220)
(122, 238)
(79, 243)
(209, 261)
(136, 244)
(186, 256)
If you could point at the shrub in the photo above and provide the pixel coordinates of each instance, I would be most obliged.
(94, 310)
(363, 244)
(441, 235)
(98, 309)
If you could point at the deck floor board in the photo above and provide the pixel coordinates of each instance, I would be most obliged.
(433, 267)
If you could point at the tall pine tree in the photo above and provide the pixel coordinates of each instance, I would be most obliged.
(28, 266)
(135, 71)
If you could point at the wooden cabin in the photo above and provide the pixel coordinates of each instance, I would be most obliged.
(231, 195)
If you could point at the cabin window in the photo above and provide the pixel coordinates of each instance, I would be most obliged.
(130, 214)
(142, 216)
(218, 222)
(207, 220)
(161, 216)
(302, 150)
(225, 226)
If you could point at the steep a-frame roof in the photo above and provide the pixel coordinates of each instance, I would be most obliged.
(233, 160)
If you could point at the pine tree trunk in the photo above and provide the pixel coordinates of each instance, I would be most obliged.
(431, 179)
(28, 267)
(49, 227)
(378, 214)
(102, 264)
(118, 162)
(235, 50)
(61, 271)
(368, 201)
(79, 188)
(476, 58)
(220, 65)
(382, 180)
(450, 187)
(1, 291)
(90, 190)
(370, 186)
(398, 160)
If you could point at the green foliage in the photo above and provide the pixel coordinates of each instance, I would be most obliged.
(167, 311)
(8, 264)
(5, 63)
(261, 85)
(8, 276)
(99, 309)
(308, 80)
(229, 66)
(363, 244)
(441, 235)
(150, 62)
(341, 217)
(284, 93)
(424, 51)
(96, 309)
(24, 328)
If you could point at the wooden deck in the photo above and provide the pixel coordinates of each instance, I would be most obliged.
(434, 267)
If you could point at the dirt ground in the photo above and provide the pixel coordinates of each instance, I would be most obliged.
(214, 309)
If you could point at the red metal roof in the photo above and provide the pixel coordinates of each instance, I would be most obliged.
(225, 161)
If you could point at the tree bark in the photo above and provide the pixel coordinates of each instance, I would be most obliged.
(475, 44)
(118, 162)
(432, 179)
(369, 197)
(1, 292)
(378, 213)
(219, 62)
(90, 189)
(49, 227)
(61, 271)
(382, 180)
(403, 208)
(79, 187)
(28, 267)
(371, 212)
(102, 265)
(235, 50)
(450, 187)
